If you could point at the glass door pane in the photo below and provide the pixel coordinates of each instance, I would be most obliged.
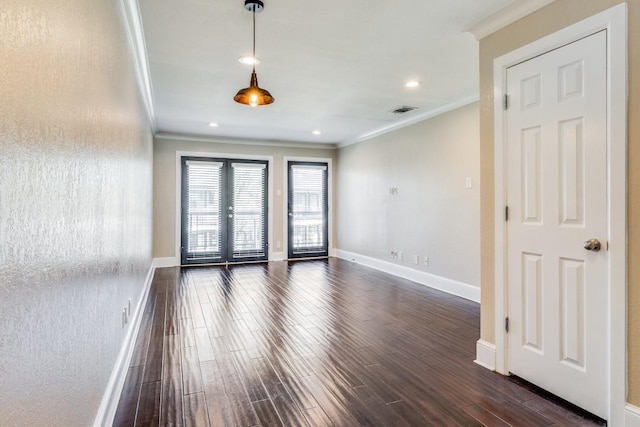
(308, 210)
(248, 211)
(202, 201)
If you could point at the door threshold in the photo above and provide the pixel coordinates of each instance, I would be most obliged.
(309, 258)
(547, 395)
(224, 264)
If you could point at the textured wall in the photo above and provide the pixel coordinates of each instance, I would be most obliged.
(432, 214)
(164, 184)
(554, 17)
(75, 206)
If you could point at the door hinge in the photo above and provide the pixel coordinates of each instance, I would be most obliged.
(506, 324)
(506, 213)
(506, 101)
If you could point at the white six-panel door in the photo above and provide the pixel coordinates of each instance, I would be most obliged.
(556, 193)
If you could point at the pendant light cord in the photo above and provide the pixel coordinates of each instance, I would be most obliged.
(254, 38)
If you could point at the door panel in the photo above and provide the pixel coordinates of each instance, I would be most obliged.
(247, 210)
(224, 210)
(308, 209)
(556, 192)
(202, 218)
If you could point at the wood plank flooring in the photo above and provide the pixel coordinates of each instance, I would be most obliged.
(316, 343)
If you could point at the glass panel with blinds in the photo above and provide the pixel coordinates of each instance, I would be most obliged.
(248, 210)
(203, 222)
(308, 209)
(224, 210)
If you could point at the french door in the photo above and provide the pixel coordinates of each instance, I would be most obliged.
(308, 209)
(224, 210)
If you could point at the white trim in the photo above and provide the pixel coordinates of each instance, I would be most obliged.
(279, 256)
(631, 416)
(440, 283)
(486, 355)
(133, 27)
(178, 170)
(168, 136)
(111, 397)
(415, 118)
(505, 16)
(285, 192)
(614, 20)
(166, 262)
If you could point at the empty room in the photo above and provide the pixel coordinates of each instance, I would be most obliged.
(296, 213)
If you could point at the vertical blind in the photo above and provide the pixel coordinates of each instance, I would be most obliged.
(203, 216)
(248, 206)
(308, 206)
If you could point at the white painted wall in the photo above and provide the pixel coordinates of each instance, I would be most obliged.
(433, 213)
(75, 206)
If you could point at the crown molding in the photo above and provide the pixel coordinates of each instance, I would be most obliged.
(168, 136)
(505, 16)
(133, 25)
(415, 118)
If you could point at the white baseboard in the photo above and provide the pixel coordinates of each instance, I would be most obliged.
(486, 355)
(278, 256)
(166, 262)
(450, 286)
(631, 416)
(109, 404)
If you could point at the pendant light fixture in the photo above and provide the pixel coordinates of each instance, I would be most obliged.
(254, 95)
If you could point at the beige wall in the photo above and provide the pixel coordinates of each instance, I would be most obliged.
(75, 206)
(164, 183)
(433, 213)
(552, 18)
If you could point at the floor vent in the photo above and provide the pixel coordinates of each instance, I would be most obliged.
(403, 109)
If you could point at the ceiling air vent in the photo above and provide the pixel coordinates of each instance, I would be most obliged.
(403, 109)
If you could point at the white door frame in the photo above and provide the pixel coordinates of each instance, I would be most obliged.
(285, 195)
(614, 21)
(214, 155)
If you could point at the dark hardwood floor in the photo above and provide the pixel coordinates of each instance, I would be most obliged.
(316, 343)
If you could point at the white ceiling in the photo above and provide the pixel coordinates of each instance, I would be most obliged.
(334, 65)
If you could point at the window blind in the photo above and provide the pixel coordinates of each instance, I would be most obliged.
(204, 214)
(308, 206)
(248, 206)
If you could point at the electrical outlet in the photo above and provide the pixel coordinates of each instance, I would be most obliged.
(124, 317)
(426, 261)
(416, 259)
(129, 308)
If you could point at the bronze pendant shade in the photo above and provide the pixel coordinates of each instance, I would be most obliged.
(254, 95)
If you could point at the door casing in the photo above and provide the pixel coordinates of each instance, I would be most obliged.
(178, 221)
(614, 21)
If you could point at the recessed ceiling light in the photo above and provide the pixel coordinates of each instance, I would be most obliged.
(412, 84)
(248, 60)
(213, 125)
(317, 132)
